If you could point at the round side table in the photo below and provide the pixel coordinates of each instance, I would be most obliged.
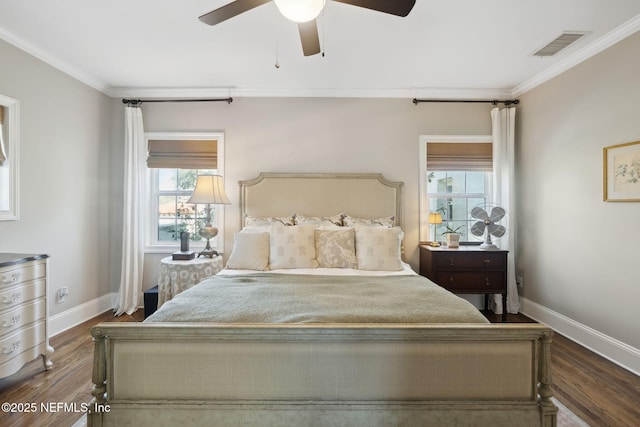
(177, 276)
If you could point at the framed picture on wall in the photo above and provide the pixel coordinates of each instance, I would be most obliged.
(622, 172)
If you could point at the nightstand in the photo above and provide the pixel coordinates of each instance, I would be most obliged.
(467, 270)
(177, 276)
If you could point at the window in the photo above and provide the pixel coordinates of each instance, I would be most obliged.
(170, 186)
(456, 176)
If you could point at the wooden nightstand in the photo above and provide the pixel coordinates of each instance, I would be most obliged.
(467, 270)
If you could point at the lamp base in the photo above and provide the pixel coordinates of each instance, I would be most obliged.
(209, 253)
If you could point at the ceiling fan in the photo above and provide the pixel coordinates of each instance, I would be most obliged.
(304, 12)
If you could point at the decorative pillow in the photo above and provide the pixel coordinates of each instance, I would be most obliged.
(378, 248)
(250, 252)
(336, 248)
(292, 247)
(266, 220)
(387, 221)
(318, 220)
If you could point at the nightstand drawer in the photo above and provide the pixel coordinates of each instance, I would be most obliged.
(21, 316)
(462, 261)
(471, 282)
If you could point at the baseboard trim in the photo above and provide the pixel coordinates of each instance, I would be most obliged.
(616, 351)
(81, 313)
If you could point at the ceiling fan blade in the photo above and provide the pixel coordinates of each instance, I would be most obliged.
(309, 37)
(230, 10)
(394, 7)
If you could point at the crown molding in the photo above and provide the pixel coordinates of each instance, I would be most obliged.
(65, 67)
(604, 42)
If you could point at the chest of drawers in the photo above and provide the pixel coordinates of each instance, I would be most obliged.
(23, 311)
(466, 270)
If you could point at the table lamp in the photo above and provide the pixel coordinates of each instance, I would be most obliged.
(210, 191)
(435, 218)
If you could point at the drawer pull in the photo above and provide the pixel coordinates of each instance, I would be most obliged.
(14, 320)
(486, 262)
(13, 278)
(451, 262)
(14, 347)
(15, 297)
(450, 279)
(487, 282)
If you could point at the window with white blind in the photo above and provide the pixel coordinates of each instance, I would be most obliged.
(456, 176)
(173, 162)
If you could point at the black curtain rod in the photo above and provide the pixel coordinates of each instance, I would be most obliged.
(506, 102)
(135, 102)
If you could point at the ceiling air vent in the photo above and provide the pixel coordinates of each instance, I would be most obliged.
(559, 43)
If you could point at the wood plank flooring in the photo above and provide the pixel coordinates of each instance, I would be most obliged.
(598, 391)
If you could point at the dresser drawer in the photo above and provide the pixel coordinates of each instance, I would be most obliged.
(16, 295)
(14, 344)
(471, 282)
(469, 260)
(15, 275)
(13, 319)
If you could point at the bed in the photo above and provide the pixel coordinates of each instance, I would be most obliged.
(254, 346)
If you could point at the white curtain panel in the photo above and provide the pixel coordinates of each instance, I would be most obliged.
(503, 130)
(132, 230)
(3, 153)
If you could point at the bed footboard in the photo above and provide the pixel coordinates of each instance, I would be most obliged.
(351, 375)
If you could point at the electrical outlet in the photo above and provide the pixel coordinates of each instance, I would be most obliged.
(520, 281)
(63, 293)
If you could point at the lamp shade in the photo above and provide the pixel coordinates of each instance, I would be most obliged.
(300, 10)
(435, 218)
(209, 189)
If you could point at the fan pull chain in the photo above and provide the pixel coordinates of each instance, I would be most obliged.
(277, 65)
(323, 32)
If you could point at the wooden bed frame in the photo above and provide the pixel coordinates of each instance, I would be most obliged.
(321, 374)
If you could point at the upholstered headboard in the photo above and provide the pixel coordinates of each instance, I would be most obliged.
(321, 194)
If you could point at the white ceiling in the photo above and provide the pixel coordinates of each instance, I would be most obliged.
(443, 49)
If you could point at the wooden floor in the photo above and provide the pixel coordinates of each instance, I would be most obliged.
(598, 391)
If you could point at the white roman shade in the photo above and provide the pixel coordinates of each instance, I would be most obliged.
(183, 153)
(458, 156)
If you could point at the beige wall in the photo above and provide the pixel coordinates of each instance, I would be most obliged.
(319, 135)
(64, 176)
(579, 255)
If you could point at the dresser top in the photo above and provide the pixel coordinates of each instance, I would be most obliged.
(7, 259)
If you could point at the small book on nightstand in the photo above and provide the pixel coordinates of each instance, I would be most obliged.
(183, 255)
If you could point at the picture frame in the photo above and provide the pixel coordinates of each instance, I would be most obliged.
(622, 172)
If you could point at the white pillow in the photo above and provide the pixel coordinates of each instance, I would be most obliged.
(378, 248)
(387, 221)
(292, 247)
(336, 248)
(250, 252)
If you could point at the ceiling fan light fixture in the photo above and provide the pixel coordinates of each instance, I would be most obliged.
(300, 10)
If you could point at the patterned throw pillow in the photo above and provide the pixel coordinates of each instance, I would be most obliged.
(258, 221)
(336, 248)
(292, 247)
(378, 248)
(318, 220)
(387, 221)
